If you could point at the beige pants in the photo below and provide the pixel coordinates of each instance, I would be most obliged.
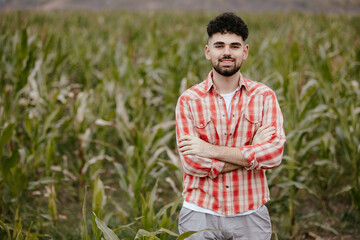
(255, 226)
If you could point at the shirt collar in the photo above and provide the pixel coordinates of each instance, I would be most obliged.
(209, 84)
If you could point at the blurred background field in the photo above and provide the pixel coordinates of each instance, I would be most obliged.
(87, 120)
(338, 6)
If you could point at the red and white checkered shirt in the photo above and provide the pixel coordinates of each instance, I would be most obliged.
(201, 112)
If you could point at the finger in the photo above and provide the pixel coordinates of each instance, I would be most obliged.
(188, 152)
(262, 128)
(185, 137)
(267, 129)
(185, 148)
(268, 136)
(268, 132)
(263, 136)
(271, 132)
(184, 143)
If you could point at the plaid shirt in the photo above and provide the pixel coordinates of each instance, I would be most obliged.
(201, 112)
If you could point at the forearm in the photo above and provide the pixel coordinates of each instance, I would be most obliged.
(229, 167)
(229, 155)
(189, 145)
(201, 166)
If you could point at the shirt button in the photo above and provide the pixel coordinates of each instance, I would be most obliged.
(225, 134)
(220, 97)
(227, 186)
(230, 134)
(223, 115)
(234, 98)
(233, 115)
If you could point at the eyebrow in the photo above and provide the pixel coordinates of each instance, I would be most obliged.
(222, 43)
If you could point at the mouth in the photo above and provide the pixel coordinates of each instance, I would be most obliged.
(227, 61)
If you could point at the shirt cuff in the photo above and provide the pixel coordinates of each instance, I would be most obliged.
(216, 168)
(250, 157)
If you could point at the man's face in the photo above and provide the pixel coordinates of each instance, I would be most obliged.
(226, 53)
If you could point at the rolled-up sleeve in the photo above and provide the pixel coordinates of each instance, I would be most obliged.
(192, 164)
(268, 154)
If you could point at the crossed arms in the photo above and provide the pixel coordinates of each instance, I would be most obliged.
(233, 158)
(202, 159)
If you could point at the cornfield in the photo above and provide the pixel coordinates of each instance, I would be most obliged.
(87, 131)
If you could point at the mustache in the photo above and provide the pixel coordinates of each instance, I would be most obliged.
(226, 58)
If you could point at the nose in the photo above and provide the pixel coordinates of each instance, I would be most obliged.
(227, 51)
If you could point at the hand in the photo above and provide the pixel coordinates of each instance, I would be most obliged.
(189, 145)
(263, 134)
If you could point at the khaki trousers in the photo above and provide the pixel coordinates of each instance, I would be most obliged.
(255, 226)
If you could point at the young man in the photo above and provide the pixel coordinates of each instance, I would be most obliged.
(229, 130)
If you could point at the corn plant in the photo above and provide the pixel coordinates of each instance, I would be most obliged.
(87, 99)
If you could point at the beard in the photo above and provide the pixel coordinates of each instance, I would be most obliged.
(228, 70)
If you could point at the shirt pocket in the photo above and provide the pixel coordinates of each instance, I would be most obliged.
(253, 122)
(253, 118)
(254, 109)
(203, 121)
(203, 126)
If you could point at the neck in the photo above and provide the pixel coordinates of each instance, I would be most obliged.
(225, 84)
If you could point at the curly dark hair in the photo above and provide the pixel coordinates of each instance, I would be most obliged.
(228, 23)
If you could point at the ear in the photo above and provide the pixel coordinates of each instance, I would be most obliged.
(207, 52)
(246, 52)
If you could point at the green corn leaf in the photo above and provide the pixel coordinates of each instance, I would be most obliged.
(355, 193)
(344, 190)
(24, 45)
(127, 226)
(3, 226)
(19, 182)
(17, 231)
(42, 181)
(108, 233)
(5, 137)
(84, 230)
(168, 232)
(9, 162)
(99, 196)
(50, 154)
(28, 126)
(153, 194)
(298, 185)
(188, 234)
(178, 202)
(143, 233)
(152, 235)
(49, 120)
(327, 228)
(98, 202)
(6, 134)
(52, 202)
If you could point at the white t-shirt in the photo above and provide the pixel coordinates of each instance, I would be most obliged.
(227, 97)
